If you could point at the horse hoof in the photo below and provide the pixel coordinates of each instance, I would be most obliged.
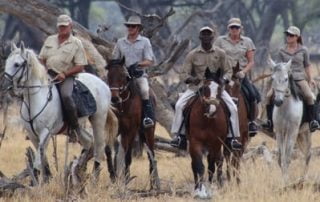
(202, 193)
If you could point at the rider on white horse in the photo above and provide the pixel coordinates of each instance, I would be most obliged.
(64, 56)
(301, 73)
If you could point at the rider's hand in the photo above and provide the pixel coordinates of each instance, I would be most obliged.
(312, 83)
(240, 75)
(60, 77)
(135, 71)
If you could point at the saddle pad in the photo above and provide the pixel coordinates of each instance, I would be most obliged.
(84, 100)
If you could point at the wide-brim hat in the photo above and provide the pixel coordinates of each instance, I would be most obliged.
(293, 30)
(133, 20)
(63, 20)
(234, 22)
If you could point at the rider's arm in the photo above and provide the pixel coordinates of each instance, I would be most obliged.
(148, 55)
(226, 65)
(250, 58)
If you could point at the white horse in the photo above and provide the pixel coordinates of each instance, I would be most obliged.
(287, 117)
(41, 108)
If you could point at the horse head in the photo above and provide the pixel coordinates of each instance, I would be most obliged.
(280, 81)
(117, 79)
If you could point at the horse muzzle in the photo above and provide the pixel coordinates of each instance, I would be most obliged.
(116, 100)
(278, 103)
(6, 84)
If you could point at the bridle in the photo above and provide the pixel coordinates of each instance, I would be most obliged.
(10, 78)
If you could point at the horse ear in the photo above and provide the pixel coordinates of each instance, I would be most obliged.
(272, 63)
(22, 47)
(13, 46)
(288, 65)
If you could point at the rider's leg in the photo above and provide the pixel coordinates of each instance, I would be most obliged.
(253, 128)
(310, 100)
(148, 111)
(66, 88)
(234, 119)
(268, 125)
(177, 127)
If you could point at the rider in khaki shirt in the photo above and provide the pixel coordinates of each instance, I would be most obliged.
(301, 74)
(241, 49)
(206, 55)
(64, 57)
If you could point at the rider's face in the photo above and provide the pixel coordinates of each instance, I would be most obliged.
(64, 30)
(206, 37)
(133, 29)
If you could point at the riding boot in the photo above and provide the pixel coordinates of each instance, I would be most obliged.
(148, 113)
(253, 128)
(179, 141)
(269, 123)
(313, 123)
(72, 119)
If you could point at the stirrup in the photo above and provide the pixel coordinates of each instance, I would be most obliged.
(179, 142)
(314, 125)
(147, 122)
(253, 128)
(234, 144)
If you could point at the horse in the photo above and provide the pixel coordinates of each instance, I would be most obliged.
(41, 108)
(287, 118)
(128, 102)
(237, 95)
(207, 129)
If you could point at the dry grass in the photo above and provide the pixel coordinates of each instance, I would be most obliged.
(260, 182)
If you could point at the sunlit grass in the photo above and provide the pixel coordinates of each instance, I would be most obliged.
(259, 181)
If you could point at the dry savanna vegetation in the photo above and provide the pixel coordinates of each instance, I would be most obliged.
(260, 181)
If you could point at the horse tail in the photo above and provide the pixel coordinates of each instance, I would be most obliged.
(111, 127)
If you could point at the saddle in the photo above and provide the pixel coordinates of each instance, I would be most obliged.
(84, 100)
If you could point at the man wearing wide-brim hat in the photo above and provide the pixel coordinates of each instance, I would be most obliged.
(138, 54)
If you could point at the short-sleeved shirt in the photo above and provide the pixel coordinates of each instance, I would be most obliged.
(62, 57)
(300, 60)
(237, 52)
(133, 52)
(198, 60)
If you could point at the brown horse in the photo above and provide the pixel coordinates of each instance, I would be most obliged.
(207, 131)
(128, 102)
(238, 96)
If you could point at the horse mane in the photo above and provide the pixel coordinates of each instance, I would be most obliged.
(37, 69)
(294, 88)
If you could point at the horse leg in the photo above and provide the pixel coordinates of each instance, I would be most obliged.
(154, 177)
(211, 167)
(235, 162)
(227, 155)
(44, 140)
(195, 150)
(304, 144)
(109, 163)
(98, 122)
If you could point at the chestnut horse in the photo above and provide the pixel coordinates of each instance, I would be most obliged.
(207, 129)
(126, 98)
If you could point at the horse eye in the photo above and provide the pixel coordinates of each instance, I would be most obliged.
(286, 80)
(16, 65)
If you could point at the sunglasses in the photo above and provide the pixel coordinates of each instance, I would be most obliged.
(131, 26)
(234, 27)
(290, 35)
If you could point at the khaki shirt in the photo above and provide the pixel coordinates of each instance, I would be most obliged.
(198, 60)
(300, 60)
(236, 52)
(62, 57)
(137, 51)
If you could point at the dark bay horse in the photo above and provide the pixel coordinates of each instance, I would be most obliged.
(207, 130)
(237, 95)
(126, 98)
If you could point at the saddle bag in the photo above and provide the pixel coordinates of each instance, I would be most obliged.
(84, 100)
